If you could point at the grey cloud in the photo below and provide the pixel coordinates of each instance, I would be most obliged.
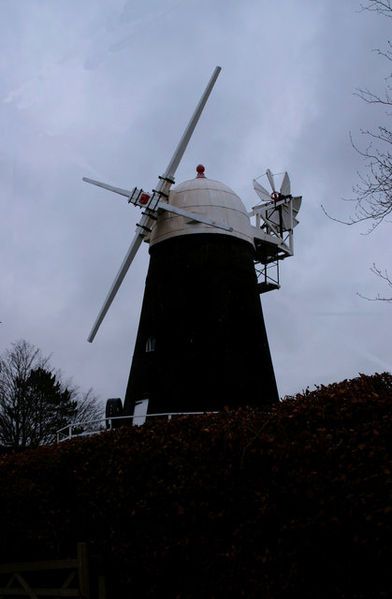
(107, 96)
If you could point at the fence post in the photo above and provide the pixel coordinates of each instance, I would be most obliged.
(84, 581)
(101, 587)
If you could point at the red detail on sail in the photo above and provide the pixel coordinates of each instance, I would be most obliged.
(144, 198)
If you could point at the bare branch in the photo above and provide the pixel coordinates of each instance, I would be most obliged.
(372, 98)
(382, 7)
(384, 276)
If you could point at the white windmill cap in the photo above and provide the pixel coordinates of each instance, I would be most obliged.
(209, 198)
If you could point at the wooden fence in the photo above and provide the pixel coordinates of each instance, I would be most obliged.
(52, 579)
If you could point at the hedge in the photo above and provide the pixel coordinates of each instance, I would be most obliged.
(296, 502)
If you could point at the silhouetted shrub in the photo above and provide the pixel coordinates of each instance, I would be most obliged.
(293, 503)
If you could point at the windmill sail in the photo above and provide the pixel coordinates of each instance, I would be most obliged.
(162, 190)
(285, 187)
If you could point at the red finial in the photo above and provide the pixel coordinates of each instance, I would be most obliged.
(200, 171)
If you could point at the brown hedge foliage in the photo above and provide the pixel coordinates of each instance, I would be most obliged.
(293, 503)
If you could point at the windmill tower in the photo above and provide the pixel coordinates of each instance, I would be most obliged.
(201, 342)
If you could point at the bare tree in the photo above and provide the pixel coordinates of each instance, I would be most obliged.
(15, 411)
(373, 193)
(89, 409)
(34, 401)
(374, 190)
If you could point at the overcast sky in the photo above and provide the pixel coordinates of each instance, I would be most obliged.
(104, 88)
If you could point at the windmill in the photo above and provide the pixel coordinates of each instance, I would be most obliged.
(201, 342)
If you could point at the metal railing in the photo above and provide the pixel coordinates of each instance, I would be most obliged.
(86, 428)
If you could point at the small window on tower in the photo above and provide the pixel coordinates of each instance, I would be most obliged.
(150, 344)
